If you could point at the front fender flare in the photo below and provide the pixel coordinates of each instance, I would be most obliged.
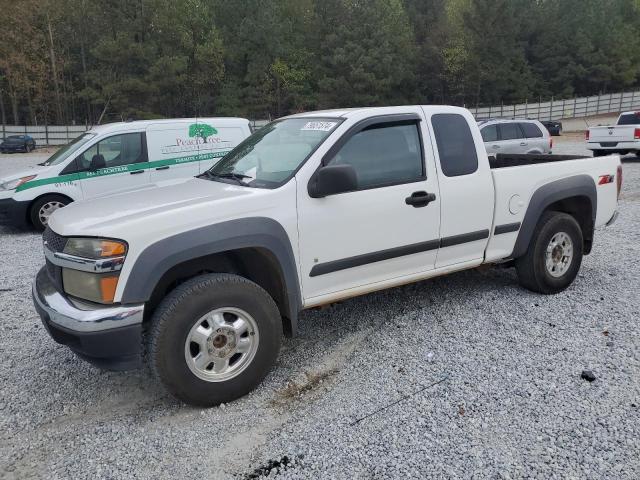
(251, 232)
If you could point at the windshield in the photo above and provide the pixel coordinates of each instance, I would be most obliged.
(269, 157)
(69, 148)
(629, 119)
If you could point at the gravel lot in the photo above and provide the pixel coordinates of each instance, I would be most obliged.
(510, 402)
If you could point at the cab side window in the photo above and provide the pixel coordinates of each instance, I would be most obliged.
(456, 147)
(114, 151)
(384, 154)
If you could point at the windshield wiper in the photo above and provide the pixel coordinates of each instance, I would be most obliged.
(238, 177)
(206, 173)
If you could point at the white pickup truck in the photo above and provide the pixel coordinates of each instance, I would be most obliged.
(622, 138)
(202, 278)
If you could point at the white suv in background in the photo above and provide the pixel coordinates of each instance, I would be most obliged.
(515, 136)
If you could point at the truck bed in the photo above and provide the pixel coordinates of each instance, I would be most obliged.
(503, 160)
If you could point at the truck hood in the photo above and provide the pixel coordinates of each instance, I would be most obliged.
(156, 209)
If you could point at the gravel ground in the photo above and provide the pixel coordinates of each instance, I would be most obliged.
(465, 376)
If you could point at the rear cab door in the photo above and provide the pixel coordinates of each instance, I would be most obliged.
(465, 184)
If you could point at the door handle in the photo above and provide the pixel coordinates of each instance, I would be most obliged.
(420, 199)
(523, 144)
(135, 172)
(166, 167)
(495, 146)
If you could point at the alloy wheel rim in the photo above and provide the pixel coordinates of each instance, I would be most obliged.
(47, 209)
(559, 254)
(221, 344)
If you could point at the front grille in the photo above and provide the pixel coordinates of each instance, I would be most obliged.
(55, 242)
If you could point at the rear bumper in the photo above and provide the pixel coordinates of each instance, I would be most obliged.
(108, 337)
(14, 212)
(613, 146)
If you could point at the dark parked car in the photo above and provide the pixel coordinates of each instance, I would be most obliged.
(17, 143)
(555, 128)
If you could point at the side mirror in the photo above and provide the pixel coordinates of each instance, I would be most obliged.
(332, 179)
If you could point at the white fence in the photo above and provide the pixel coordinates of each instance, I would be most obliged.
(551, 110)
(569, 108)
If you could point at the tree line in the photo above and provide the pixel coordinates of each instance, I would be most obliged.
(93, 61)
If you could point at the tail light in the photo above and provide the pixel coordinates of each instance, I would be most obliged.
(619, 179)
(636, 134)
(550, 143)
(586, 135)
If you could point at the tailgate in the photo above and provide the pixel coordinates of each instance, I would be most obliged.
(622, 133)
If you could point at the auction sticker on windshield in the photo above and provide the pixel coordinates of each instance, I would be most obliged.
(321, 126)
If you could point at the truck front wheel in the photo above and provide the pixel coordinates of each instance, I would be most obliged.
(553, 258)
(214, 338)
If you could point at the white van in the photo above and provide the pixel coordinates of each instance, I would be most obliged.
(117, 157)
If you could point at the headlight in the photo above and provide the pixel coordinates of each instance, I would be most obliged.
(95, 248)
(15, 183)
(96, 286)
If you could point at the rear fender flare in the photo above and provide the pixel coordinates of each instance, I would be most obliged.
(575, 186)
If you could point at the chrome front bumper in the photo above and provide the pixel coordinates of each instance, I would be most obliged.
(109, 337)
(78, 317)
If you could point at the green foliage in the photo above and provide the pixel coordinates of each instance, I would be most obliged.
(94, 61)
(201, 130)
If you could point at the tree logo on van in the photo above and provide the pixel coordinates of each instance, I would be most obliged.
(201, 130)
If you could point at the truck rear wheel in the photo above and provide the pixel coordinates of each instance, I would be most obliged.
(553, 258)
(214, 338)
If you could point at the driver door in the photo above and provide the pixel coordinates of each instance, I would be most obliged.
(113, 164)
(374, 234)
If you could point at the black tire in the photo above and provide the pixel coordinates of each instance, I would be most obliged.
(178, 313)
(598, 153)
(531, 268)
(39, 203)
